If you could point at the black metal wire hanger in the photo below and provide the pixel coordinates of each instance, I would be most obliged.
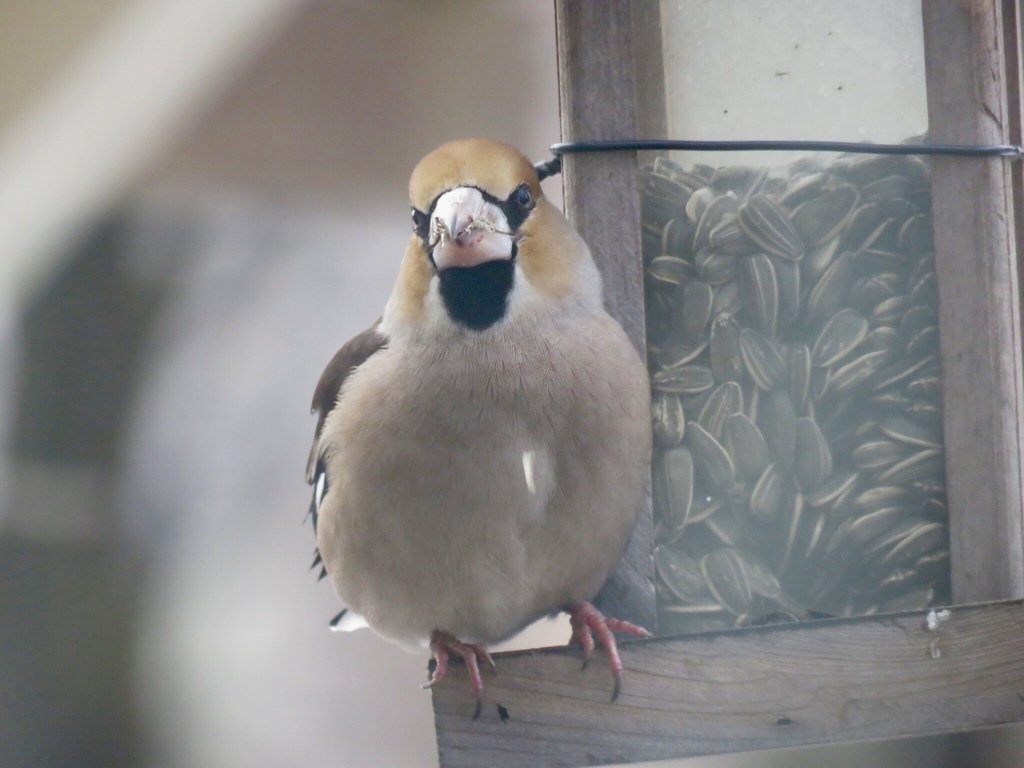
(554, 166)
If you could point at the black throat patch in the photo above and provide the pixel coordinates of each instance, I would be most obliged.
(477, 297)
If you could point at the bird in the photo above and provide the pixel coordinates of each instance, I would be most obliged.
(481, 452)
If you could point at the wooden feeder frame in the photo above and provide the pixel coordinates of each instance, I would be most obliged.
(882, 676)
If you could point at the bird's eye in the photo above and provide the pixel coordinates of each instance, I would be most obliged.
(420, 220)
(522, 197)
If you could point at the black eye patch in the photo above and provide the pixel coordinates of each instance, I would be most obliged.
(516, 207)
(421, 223)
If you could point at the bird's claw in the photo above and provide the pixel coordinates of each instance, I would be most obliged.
(587, 622)
(443, 645)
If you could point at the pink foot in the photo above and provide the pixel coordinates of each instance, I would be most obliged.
(443, 646)
(586, 622)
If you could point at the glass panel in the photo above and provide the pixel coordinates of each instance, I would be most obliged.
(792, 321)
(797, 69)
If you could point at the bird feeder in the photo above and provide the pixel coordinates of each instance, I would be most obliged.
(834, 551)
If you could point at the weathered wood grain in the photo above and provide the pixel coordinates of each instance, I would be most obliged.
(979, 305)
(1015, 103)
(598, 101)
(817, 682)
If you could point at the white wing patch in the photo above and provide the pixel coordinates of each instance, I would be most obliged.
(528, 459)
(348, 621)
(320, 489)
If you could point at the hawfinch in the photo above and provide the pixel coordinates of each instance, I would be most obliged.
(481, 451)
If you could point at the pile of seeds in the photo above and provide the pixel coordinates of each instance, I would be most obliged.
(793, 343)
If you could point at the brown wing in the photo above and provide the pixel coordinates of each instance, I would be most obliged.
(353, 353)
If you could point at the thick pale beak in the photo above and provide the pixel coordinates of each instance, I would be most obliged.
(466, 230)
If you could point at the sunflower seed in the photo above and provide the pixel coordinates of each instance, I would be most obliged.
(738, 179)
(840, 336)
(899, 209)
(859, 531)
(669, 272)
(777, 421)
(933, 564)
(727, 298)
(729, 237)
(726, 357)
(668, 420)
(677, 237)
(898, 371)
(834, 486)
(826, 298)
(714, 213)
(761, 290)
(815, 534)
(746, 445)
(794, 517)
(885, 188)
(710, 458)
(787, 275)
(768, 493)
(880, 340)
(813, 457)
(800, 376)
(925, 386)
(762, 359)
(906, 431)
(923, 538)
(661, 198)
(803, 187)
(697, 297)
(704, 507)
(865, 169)
(817, 260)
(821, 218)
(680, 573)
(715, 267)
(918, 466)
(683, 380)
(867, 292)
(726, 400)
(698, 203)
(674, 353)
(882, 496)
(916, 234)
(768, 225)
(914, 320)
(725, 527)
(672, 487)
(924, 342)
(889, 311)
(860, 226)
(857, 371)
(926, 290)
(875, 454)
(820, 380)
(725, 575)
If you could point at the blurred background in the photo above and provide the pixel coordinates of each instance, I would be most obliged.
(199, 202)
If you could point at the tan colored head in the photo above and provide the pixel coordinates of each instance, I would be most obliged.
(487, 241)
(489, 165)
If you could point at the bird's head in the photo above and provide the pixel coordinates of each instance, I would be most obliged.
(486, 244)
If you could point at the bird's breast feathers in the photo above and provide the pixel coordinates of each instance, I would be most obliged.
(479, 461)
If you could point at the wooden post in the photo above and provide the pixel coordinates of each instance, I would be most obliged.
(979, 312)
(598, 101)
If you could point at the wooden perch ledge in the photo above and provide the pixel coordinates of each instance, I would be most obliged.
(759, 688)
